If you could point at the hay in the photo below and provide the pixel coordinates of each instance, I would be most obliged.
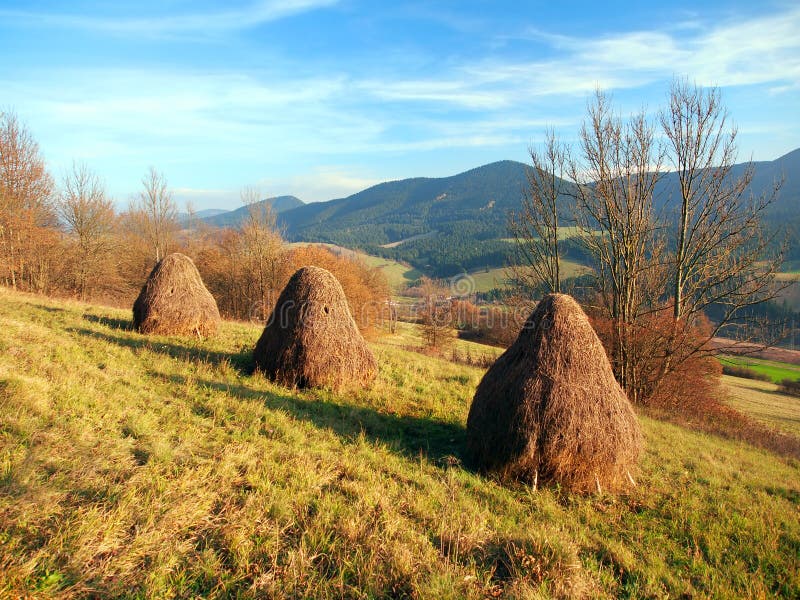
(550, 410)
(311, 339)
(174, 301)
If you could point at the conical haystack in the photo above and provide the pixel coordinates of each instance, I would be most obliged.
(311, 339)
(174, 301)
(550, 410)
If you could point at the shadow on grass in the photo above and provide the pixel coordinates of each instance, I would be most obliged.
(242, 361)
(111, 323)
(413, 437)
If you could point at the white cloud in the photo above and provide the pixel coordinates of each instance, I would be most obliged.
(318, 184)
(229, 19)
(270, 120)
(755, 51)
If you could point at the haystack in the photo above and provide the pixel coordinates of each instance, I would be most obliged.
(550, 409)
(174, 301)
(311, 339)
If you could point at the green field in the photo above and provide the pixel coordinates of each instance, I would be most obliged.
(401, 275)
(776, 371)
(486, 280)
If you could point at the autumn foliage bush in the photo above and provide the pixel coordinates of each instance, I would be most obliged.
(234, 280)
(690, 393)
(366, 288)
(492, 325)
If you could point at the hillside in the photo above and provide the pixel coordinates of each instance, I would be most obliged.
(395, 210)
(279, 204)
(157, 467)
(446, 226)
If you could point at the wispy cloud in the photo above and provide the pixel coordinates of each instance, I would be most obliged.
(229, 19)
(275, 118)
(760, 50)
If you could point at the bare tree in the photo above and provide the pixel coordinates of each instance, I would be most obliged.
(722, 255)
(25, 206)
(535, 226)
(155, 213)
(435, 314)
(616, 182)
(89, 216)
(263, 246)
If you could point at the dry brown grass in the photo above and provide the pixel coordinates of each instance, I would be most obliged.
(311, 339)
(550, 409)
(174, 301)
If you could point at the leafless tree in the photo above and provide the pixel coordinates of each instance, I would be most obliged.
(89, 217)
(154, 213)
(263, 245)
(722, 254)
(616, 183)
(435, 313)
(26, 206)
(535, 226)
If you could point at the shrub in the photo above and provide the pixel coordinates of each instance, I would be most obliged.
(791, 387)
(744, 372)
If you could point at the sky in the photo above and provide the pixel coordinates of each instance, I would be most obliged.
(322, 98)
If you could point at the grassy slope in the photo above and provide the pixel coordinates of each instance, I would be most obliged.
(777, 371)
(155, 467)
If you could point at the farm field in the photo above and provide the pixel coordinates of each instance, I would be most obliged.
(485, 280)
(762, 401)
(776, 371)
(152, 467)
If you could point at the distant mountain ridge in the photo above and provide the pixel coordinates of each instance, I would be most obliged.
(450, 224)
(396, 210)
(200, 214)
(233, 218)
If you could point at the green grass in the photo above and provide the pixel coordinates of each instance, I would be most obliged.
(563, 233)
(398, 274)
(146, 467)
(762, 401)
(776, 371)
(486, 280)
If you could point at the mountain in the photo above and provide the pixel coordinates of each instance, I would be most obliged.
(396, 210)
(233, 218)
(201, 214)
(766, 174)
(446, 225)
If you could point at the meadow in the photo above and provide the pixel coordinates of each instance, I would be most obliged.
(776, 371)
(158, 467)
(762, 401)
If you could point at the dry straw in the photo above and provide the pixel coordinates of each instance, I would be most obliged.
(174, 301)
(550, 409)
(311, 339)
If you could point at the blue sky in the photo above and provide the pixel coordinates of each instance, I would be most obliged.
(321, 98)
